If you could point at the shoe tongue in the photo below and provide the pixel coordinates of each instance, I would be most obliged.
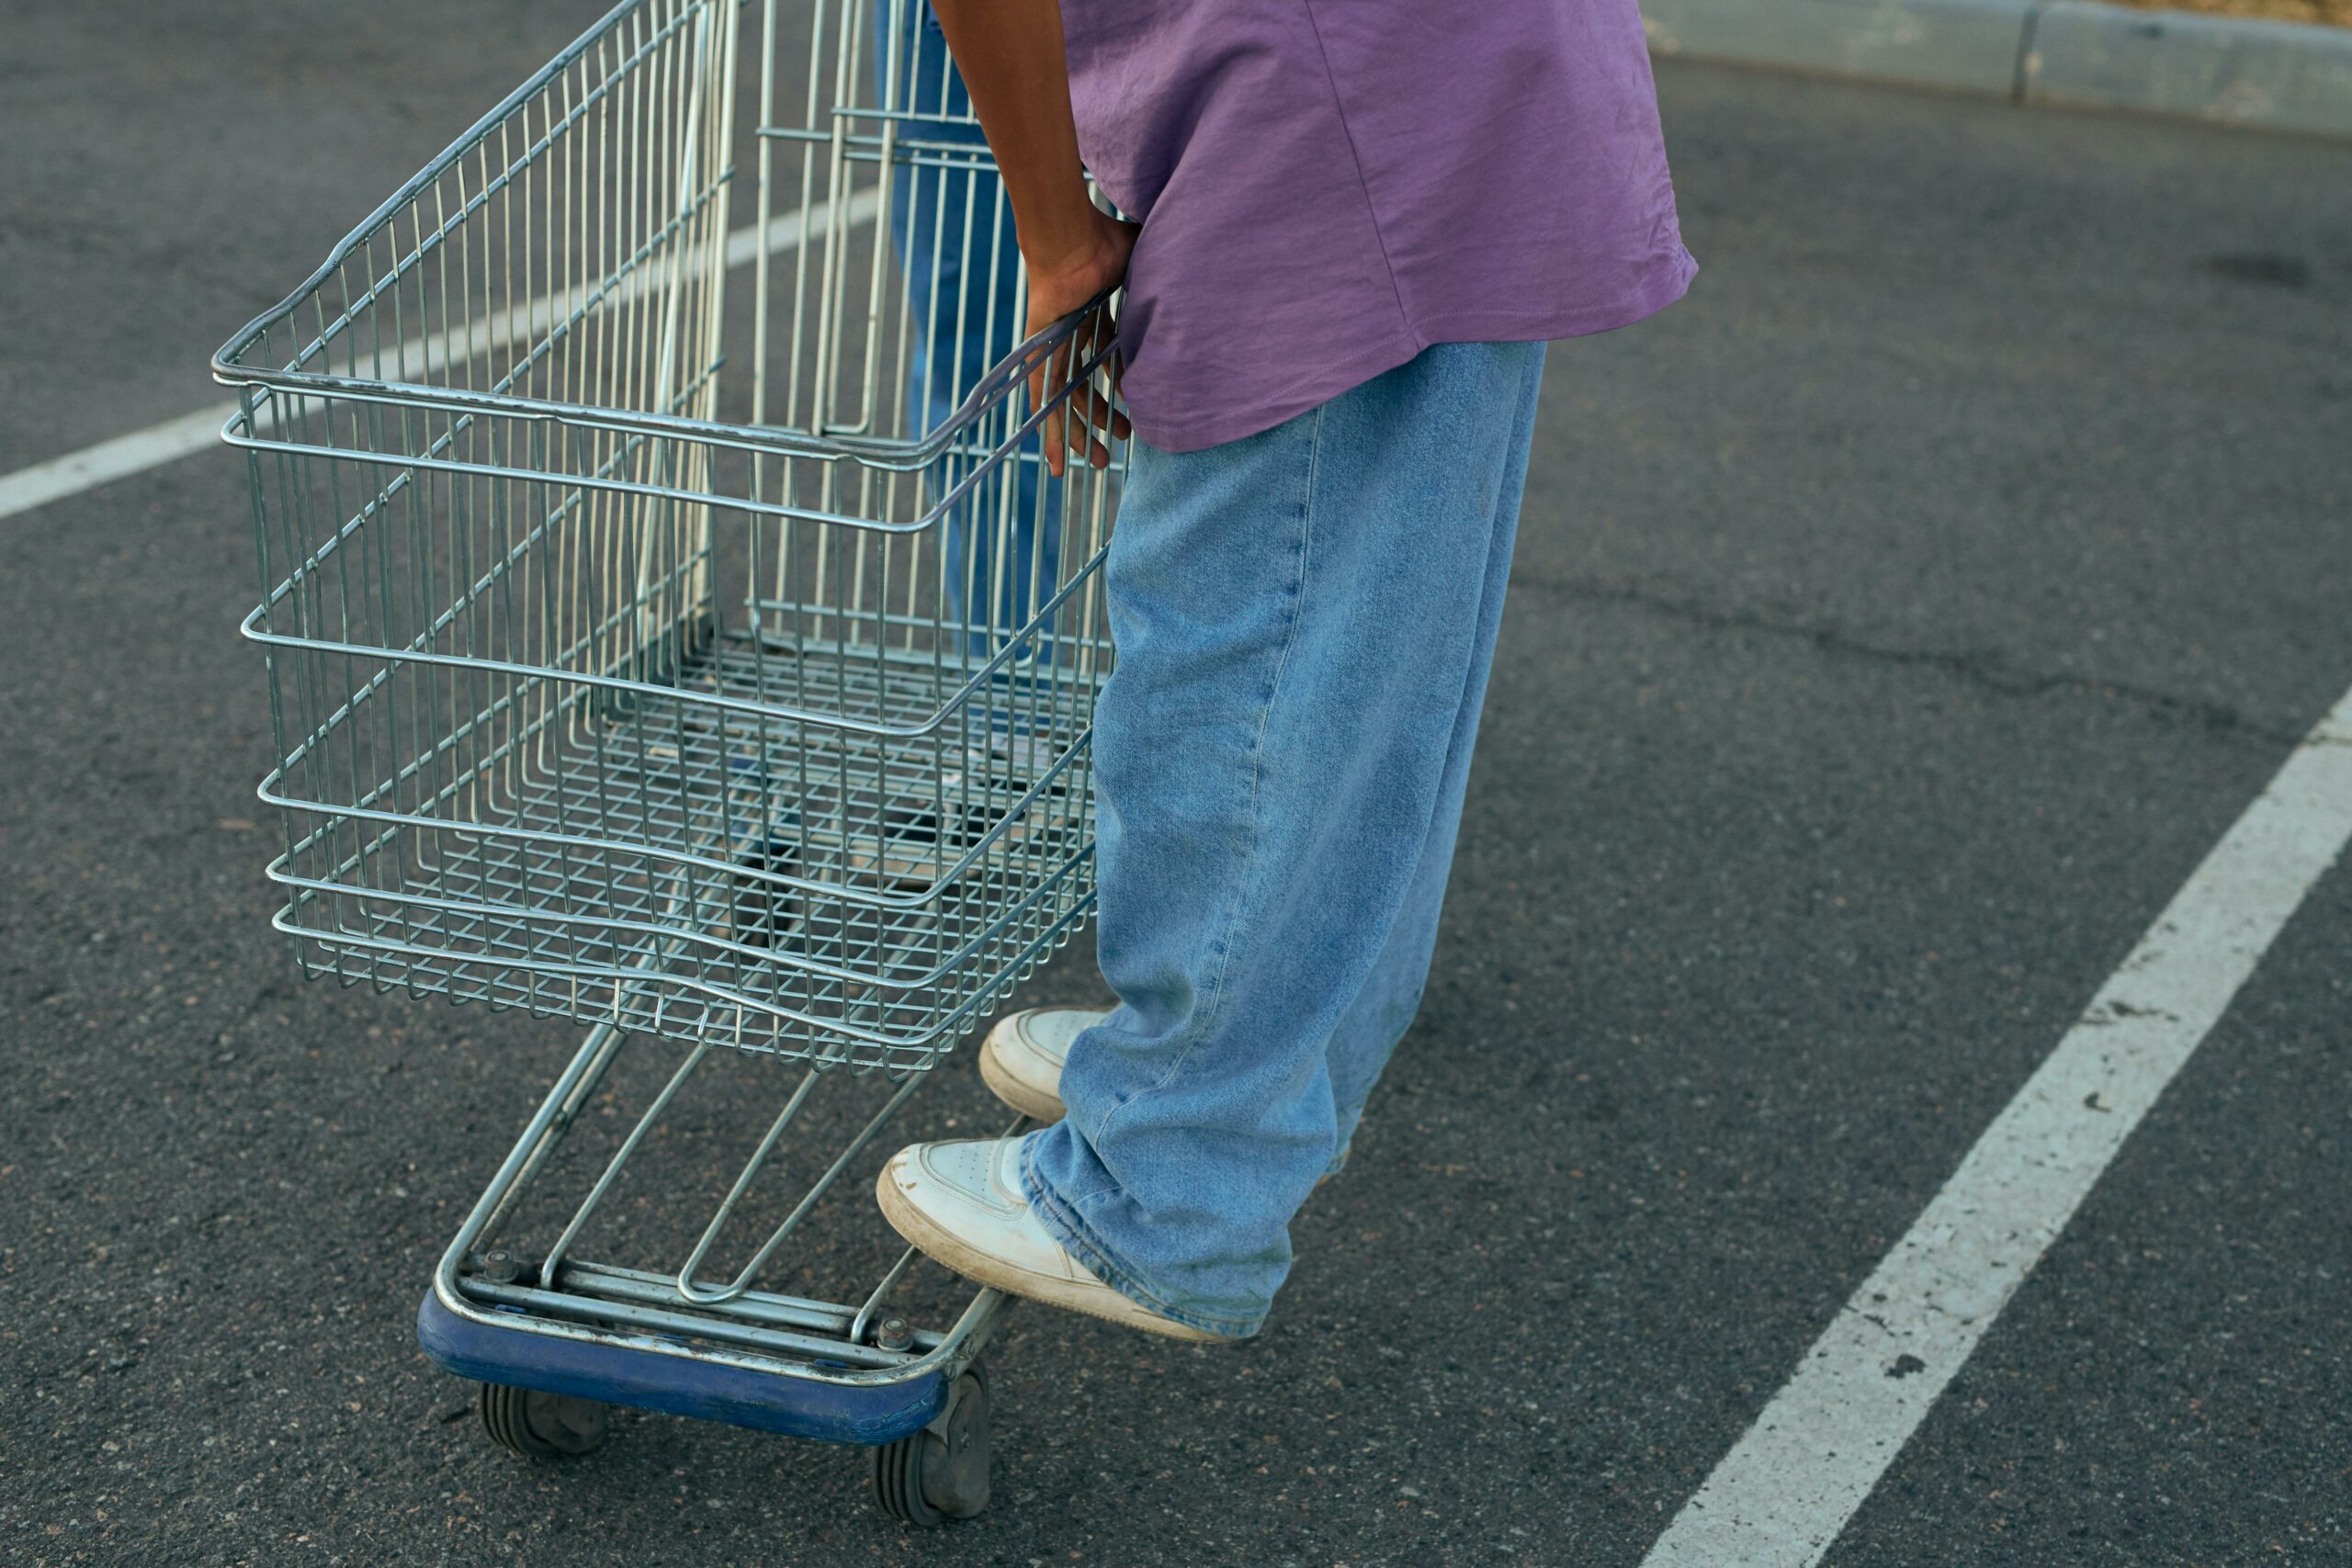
(1004, 1169)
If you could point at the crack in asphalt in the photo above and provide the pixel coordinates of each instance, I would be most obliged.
(1983, 668)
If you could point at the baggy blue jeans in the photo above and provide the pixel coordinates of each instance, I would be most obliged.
(1304, 620)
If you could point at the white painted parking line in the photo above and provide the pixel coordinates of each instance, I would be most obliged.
(109, 460)
(1779, 1498)
(192, 433)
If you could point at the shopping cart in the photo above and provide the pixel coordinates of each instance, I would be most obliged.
(714, 672)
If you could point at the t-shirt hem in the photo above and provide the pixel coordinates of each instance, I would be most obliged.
(1665, 282)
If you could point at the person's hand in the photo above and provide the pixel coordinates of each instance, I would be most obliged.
(1058, 284)
(1015, 64)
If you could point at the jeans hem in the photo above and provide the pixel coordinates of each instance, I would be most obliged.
(1064, 1223)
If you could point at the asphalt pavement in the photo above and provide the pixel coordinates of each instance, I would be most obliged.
(1897, 622)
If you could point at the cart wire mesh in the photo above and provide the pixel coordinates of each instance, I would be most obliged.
(721, 669)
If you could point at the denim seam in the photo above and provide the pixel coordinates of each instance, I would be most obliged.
(1208, 1013)
(1067, 1227)
(1108, 1184)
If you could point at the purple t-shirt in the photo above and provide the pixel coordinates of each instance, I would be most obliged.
(1329, 186)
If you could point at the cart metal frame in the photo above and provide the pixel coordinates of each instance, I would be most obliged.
(508, 477)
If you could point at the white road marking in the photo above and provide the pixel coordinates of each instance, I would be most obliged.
(109, 460)
(192, 433)
(1779, 1498)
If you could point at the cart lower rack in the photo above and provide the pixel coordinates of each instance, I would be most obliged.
(554, 1334)
(710, 666)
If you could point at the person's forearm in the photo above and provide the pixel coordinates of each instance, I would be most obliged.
(1010, 56)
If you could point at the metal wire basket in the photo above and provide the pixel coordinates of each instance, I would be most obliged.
(714, 668)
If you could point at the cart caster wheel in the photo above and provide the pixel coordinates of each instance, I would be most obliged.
(941, 1471)
(541, 1426)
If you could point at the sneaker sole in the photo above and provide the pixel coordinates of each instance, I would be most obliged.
(953, 1252)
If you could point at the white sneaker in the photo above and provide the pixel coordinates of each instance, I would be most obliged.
(962, 1204)
(1021, 1060)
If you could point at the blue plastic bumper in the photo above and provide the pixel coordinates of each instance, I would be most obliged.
(677, 1386)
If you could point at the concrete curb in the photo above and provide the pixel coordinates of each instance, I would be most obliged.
(1971, 45)
(2274, 74)
(2268, 75)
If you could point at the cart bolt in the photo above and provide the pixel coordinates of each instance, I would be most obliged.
(894, 1333)
(500, 1267)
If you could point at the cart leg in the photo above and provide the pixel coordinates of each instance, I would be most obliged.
(941, 1471)
(541, 1426)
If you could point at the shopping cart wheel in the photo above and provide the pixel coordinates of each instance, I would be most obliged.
(541, 1426)
(941, 1471)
